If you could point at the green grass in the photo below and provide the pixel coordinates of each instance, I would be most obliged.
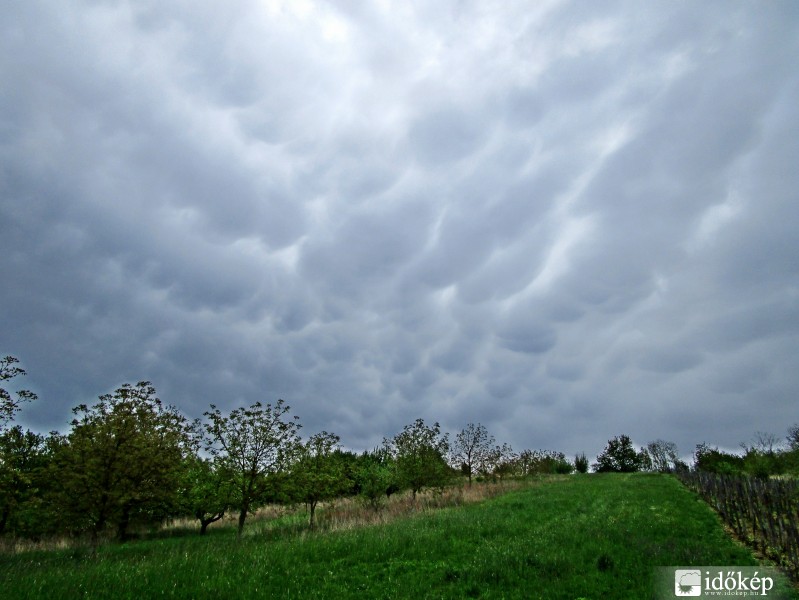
(595, 536)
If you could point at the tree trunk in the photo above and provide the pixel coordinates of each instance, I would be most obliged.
(4, 518)
(312, 506)
(206, 521)
(122, 526)
(242, 518)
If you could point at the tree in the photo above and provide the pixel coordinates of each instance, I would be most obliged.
(207, 492)
(10, 404)
(713, 460)
(533, 462)
(471, 449)
(760, 458)
(419, 452)
(318, 473)
(500, 462)
(663, 455)
(619, 456)
(22, 459)
(375, 477)
(123, 460)
(793, 437)
(581, 463)
(252, 444)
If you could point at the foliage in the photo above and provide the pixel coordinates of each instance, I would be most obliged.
(500, 462)
(419, 452)
(581, 463)
(793, 437)
(542, 462)
(471, 450)
(122, 461)
(713, 460)
(318, 472)
(207, 491)
(252, 444)
(663, 455)
(11, 404)
(375, 477)
(620, 456)
(23, 458)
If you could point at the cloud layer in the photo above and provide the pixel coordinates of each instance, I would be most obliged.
(565, 221)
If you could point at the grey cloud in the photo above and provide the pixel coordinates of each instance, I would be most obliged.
(566, 222)
(445, 135)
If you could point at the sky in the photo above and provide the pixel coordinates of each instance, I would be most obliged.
(564, 220)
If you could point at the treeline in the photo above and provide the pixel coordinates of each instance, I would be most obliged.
(764, 457)
(130, 461)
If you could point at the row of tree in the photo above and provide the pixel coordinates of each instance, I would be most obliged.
(766, 456)
(130, 460)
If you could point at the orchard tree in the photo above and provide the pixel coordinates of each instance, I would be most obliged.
(318, 472)
(663, 455)
(471, 449)
(713, 460)
(581, 463)
(375, 477)
(420, 454)
(793, 437)
(537, 462)
(123, 460)
(252, 444)
(620, 456)
(500, 462)
(23, 459)
(10, 403)
(207, 491)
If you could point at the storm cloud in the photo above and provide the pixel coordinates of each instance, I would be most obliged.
(564, 220)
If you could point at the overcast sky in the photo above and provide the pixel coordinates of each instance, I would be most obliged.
(564, 220)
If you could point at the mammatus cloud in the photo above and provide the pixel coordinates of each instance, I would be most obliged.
(563, 221)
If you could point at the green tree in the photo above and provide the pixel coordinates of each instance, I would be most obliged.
(10, 403)
(761, 458)
(23, 457)
(318, 473)
(123, 460)
(619, 456)
(375, 477)
(207, 492)
(663, 455)
(252, 444)
(581, 463)
(793, 437)
(713, 460)
(535, 462)
(500, 462)
(420, 454)
(471, 449)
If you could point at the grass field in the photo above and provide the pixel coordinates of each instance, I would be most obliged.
(594, 536)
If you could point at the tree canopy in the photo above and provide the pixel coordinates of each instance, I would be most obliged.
(252, 444)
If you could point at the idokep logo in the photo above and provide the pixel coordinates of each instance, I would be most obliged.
(713, 582)
(687, 582)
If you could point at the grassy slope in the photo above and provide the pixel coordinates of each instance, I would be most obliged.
(584, 536)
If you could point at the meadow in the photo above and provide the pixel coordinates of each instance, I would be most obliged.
(582, 536)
